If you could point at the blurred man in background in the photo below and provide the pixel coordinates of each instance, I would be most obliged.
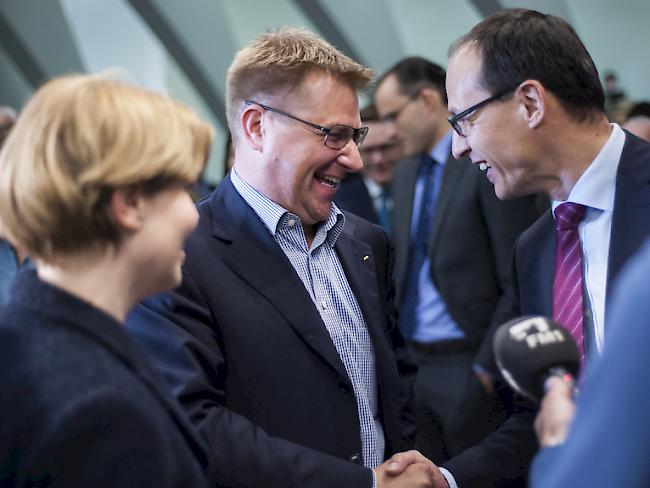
(368, 194)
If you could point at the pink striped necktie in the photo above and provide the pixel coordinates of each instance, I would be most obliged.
(567, 278)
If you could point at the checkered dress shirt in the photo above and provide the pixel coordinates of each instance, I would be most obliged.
(321, 272)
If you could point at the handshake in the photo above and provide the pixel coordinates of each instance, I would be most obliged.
(409, 469)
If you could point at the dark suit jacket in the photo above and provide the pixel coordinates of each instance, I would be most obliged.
(353, 196)
(535, 250)
(609, 444)
(247, 354)
(470, 244)
(533, 265)
(80, 404)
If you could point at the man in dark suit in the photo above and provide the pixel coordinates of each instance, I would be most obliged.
(536, 126)
(279, 340)
(368, 193)
(606, 445)
(453, 241)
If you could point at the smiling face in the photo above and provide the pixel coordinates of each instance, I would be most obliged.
(168, 218)
(496, 138)
(298, 171)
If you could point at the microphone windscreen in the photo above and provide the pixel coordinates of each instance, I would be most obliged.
(528, 349)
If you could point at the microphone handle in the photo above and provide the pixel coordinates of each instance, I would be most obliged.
(563, 374)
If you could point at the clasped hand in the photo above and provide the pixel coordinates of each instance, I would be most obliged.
(409, 469)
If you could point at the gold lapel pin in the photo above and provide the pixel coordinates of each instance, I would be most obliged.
(365, 258)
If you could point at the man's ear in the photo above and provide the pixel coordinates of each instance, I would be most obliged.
(432, 98)
(531, 96)
(252, 124)
(127, 208)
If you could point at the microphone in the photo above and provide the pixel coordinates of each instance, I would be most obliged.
(531, 349)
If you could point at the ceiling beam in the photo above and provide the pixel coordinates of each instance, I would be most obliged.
(183, 57)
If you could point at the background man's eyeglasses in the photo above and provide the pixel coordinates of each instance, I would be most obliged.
(458, 121)
(382, 148)
(336, 136)
(394, 115)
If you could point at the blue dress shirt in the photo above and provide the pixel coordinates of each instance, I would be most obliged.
(432, 320)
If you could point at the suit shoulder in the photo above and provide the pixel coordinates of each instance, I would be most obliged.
(536, 232)
(635, 158)
(364, 229)
(406, 166)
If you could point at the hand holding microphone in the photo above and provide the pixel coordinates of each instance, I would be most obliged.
(531, 349)
(555, 414)
(539, 359)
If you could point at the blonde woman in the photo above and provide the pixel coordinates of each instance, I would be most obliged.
(92, 186)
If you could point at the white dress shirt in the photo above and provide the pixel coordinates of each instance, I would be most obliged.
(596, 189)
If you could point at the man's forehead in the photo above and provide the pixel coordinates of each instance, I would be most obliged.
(463, 74)
(324, 98)
(388, 91)
(379, 133)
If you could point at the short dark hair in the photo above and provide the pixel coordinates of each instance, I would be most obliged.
(415, 73)
(520, 44)
(369, 114)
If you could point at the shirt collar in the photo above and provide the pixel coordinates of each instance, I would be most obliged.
(267, 210)
(276, 218)
(375, 190)
(442, 149)
(596, 187)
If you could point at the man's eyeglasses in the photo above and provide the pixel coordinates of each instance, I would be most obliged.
(459, 121)
(336, 136)
(392, 116)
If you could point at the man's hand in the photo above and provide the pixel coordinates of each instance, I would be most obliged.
(556, 413)
(409, 469)
(486, 380)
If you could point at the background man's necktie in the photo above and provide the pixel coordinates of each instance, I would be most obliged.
(419, 246)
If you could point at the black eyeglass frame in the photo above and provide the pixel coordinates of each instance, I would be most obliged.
(454, 119)
(357, 135)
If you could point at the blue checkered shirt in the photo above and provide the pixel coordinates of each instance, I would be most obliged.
(321, 272)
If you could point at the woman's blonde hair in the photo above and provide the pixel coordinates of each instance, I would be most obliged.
(77, 140)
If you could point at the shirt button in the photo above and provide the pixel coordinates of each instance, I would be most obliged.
(323, 305)
(291, 223)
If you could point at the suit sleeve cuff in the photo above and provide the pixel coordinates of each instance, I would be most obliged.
(449, 477)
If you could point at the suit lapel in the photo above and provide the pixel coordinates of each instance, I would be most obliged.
(535, 267)
(546, 268)
(630, 225)
(451, 175)
(252, 253)
(403, 191)
(359, 266)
